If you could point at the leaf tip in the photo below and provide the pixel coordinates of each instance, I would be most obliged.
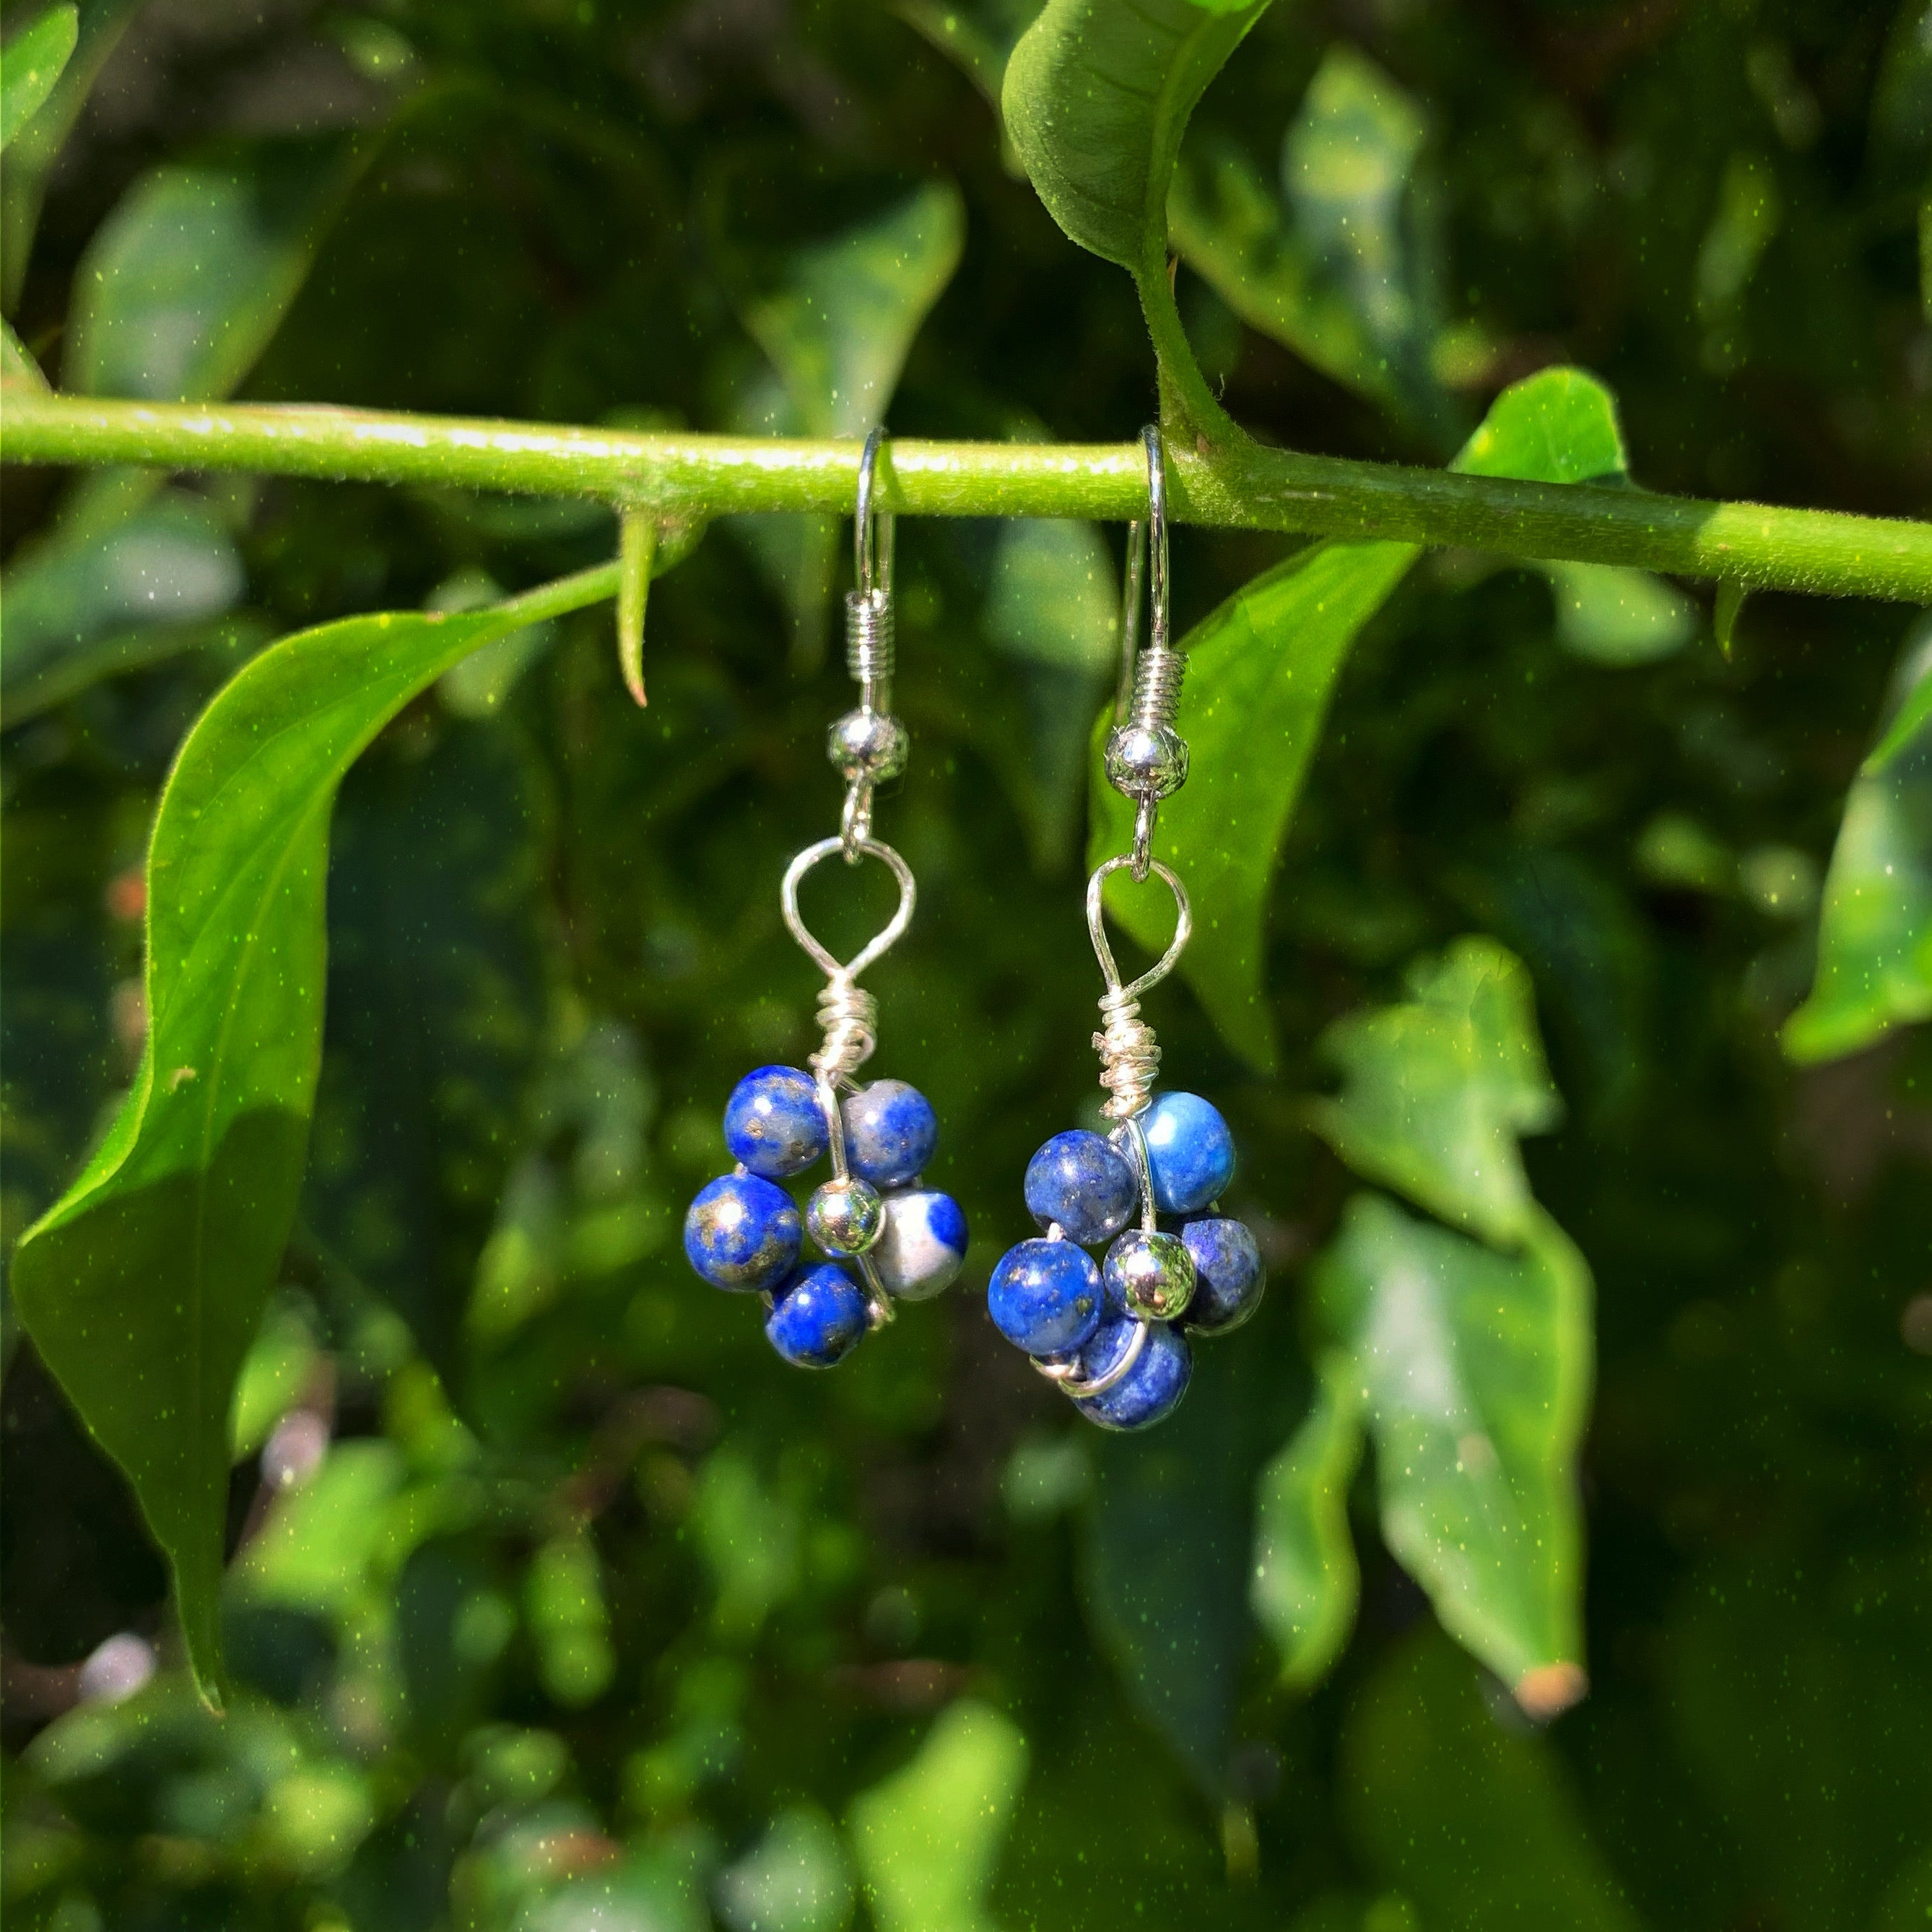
(1546, 1691)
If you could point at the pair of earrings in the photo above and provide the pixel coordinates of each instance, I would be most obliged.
(1113, 1336)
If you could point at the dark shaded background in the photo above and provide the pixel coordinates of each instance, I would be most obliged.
(556, 944)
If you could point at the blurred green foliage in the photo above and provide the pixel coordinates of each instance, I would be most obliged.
(552, 1600)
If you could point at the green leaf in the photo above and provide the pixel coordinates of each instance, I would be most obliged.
(1051, 606)
(143, 1286)
(928, 1839)
(837, 317)
(1436, 1090)
(436, 1000)
(1477, 1825)
(1875, 933)
(34, 59)
(321, 1542)
(1612, 616)
(1096, 96)
(1261, 669)
(184, 283)
(167, 569)
(1229, 226)
(17, 368)
(1473, 1369)
(1728, 607)
(1305, 1581)
(1169, 1536)
(569, 1621)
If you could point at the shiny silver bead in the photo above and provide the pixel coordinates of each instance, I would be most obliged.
(1146, 761)
(1152, 1274)
(844, 1217)
(869, 746)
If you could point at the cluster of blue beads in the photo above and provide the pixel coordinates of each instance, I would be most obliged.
(1049, 1298)
(743, 1232)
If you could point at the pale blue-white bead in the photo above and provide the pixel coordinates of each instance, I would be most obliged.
(1190, 1152)
(922, 1245)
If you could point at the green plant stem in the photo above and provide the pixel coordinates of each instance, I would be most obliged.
(689, 477)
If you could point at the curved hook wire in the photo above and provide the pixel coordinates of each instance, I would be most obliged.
(872, 529)
(1097, 927)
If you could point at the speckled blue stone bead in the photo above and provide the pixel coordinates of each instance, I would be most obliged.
(1045, 1296)
(741, 1232)
(1151, 1390)
(773, 1122)
(820, 1317)
(1229, 1280)
(922, 1244)
(1190, 1152)
(1085, 1183)
(890, 1133)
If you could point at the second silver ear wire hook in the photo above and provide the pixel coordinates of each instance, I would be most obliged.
(1147, 757)
(869, 746)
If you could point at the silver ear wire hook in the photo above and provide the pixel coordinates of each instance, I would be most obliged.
(869, 746)
(1147, 757)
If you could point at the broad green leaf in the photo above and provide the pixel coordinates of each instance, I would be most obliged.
(1436, 1090)
(1096, 97)
(1473, 1369)
(1229, 225)
(32, 63)
(1051, 606)
(1612, 616)
(1348, 164)
(1305, 1581)
(928, 1839)
(1260, 671)
(836, 318)
(436, 1003)
(1875, 934)
(796, 1878)
(1170, 1534)
(143, 1286)
(315, 1551)
(1477, 1824)
(184, 283)
(170, 566)
(17, 368)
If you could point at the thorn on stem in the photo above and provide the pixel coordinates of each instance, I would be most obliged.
(637, 549)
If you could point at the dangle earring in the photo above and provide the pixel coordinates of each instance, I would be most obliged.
(904, 1242)
(1114, 1336)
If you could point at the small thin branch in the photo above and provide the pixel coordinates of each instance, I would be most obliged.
(688, 479)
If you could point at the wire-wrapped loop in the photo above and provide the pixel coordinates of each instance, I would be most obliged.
(1129, 1055)
(849, 1015)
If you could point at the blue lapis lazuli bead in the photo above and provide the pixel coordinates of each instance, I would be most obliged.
(922, 1244)
(773, 1123)
(1151, 1390)
(890, 1133)
(819, 1318)
(1045, 1296)
(1229, 1279)
(1084, 1185)
(741, 1232)
(1190, 1152)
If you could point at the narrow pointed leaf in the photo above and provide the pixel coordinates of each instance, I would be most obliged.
(144, 1285)
(1436, 1090)
(1096, 96)
(1306, 1580)
(1473, 1369)
(34, 59)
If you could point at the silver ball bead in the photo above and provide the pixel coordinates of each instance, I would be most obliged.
(868, 744)
(844, 1217)
(1147, 762)
(1154, 1274)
